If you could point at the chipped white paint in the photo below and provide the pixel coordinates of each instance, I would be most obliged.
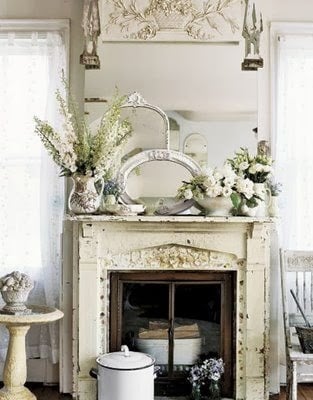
(238, 244)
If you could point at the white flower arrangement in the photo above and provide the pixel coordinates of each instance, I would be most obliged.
(250, 170)
(227, 181)
(255, 168)
(212, 183)
(76, 150)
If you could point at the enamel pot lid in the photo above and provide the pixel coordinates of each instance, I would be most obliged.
(125, 360)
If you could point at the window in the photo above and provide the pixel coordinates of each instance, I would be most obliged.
(294, 134)
(32, 55)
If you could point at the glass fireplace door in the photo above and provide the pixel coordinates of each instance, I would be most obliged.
(177, 318)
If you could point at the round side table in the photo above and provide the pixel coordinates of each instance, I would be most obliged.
(15, 370)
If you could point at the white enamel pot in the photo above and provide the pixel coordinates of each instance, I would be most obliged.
(125, 375)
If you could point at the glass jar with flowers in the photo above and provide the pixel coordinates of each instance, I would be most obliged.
(205, 379)
(211, 190)
(82, 155)
(111, 191)
(254, 172)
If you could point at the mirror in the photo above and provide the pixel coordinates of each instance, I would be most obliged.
(148, 182)
(201, 79)
(200, 84)
(211, 141)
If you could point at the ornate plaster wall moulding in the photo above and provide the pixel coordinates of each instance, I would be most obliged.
(171, 20)
(171, 256)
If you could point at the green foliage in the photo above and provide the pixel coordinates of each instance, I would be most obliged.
(236, 200)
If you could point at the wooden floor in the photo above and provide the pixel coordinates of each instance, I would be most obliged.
(48, 393)
(305, 392)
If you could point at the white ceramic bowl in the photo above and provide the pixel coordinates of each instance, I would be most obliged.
(186, 351)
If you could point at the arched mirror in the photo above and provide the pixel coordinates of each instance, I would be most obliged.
(196, 147)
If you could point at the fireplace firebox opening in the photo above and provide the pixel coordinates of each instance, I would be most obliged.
(178, 318)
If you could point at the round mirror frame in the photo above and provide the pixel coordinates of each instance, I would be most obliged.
(153, 155)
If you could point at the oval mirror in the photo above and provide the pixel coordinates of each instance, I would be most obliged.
(156, 184)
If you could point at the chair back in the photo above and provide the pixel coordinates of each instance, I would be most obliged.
(296, 274)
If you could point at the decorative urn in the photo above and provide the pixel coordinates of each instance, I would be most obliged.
(15, 288)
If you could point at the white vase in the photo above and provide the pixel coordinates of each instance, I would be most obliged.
(216, 206)
(107, 200)
(273, 209)
(264, 194)
(248, 211)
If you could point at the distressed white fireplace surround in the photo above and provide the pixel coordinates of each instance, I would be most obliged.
(109, 243)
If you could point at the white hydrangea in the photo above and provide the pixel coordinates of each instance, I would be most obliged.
(227, 191)
(245, 186)
(214, 191)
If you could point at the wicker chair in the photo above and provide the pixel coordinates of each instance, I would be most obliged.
(297, 274)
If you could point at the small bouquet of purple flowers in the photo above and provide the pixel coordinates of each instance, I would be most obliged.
(206, 373)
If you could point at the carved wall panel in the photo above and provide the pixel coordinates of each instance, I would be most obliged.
(171, 20)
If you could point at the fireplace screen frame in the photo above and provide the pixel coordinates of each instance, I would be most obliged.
(227, 281)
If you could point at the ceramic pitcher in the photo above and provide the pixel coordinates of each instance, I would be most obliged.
(84, 197)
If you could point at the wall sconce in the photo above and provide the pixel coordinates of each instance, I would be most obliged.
(252, 29)
(91, 26)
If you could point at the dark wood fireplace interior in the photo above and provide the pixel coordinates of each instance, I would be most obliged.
(178, 318)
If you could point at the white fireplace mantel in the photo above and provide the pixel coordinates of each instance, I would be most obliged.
(102, 244)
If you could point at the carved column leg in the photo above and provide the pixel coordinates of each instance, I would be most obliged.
(15, 372)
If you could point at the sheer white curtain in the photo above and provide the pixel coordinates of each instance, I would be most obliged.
(294, 138)
(31, 196)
